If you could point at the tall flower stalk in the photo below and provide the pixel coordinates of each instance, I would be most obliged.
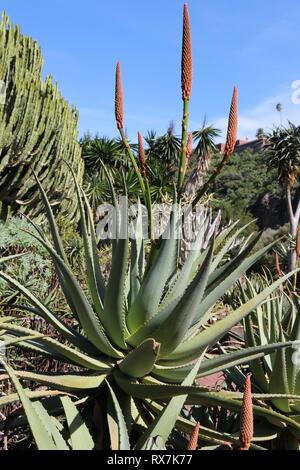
(142, 158)
(186, 87)
(229, 147)
(119, 113)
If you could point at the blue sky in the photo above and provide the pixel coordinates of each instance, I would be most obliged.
(253, 44)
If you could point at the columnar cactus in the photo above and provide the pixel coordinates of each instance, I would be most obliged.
(37, 129)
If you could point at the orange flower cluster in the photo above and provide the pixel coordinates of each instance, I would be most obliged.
(142, 153)
(119, 105)
(232, 124)
(187, 56)
(246, 426)
(193, 442)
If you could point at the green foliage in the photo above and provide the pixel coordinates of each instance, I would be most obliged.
(37, 129)
(283, 152)
(244, 179)
(33, 269)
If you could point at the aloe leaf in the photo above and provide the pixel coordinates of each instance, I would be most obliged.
(184, 313)
(91, 261)
(39, 431)
(114, 303)
(13, 397)
(88, 319)
(165, 421)
(150, 293)
(225, 248)
(64, 351)
(221, 362)
(137, 258)
(279, 380)
(225, 281)
(53, 226)
(221, 273)
(190, 349)
(66, 331)
(52, 426)
(80, 436)
(141, 360)
(64, 382)
(117, 424)
(256, 365)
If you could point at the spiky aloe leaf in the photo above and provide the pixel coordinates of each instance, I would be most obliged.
(13, 397)
(63, 382)
(227, 279)
(38, 428)
(117, 424)
(279, 380)
(80, 436)
(53, 426)
(219, 363)
(95, 280)
(141, 360)
(184, 314)
(193, 441)
(137, 258)
(88, 319)
(190, 349)
(165, 421)
(66, 331)
(53, 226)
(65, 352)
(150, 293)
(114, 302)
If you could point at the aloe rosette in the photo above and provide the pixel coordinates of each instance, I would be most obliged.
(138, 336)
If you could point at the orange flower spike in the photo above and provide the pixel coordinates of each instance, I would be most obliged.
(142, 154)
(119, 102)
(246, 424)
(187, 56)
(193, 442)
(232, 124)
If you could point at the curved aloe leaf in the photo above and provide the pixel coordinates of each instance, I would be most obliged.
(150, 293)
(165, 421)
(190, 349)
(141, 360)
(80, 436)
(39, 431)
(117, 424)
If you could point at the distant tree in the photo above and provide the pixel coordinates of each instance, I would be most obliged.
(283, 153)
(205, 148)
(279, 109)
(260, 133)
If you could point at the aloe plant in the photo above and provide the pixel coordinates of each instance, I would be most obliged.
(120, 342)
